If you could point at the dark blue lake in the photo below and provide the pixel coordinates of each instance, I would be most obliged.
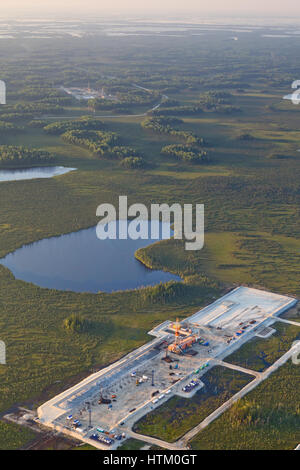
(81, 262)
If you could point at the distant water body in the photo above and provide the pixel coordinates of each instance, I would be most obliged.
(81, 262)
(33, 173)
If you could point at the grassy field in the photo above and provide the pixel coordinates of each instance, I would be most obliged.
(84, 447)
(14, 437)
(268, 418)
(259, 354)
(132, 444)
(177, 416)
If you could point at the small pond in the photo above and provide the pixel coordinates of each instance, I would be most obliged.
(81, 262)
(19, 174)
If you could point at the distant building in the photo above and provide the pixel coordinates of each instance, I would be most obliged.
(87, 93)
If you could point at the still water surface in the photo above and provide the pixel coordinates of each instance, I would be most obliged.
(81, 262)
(33, 173)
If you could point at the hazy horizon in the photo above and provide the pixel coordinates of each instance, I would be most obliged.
(71, 8)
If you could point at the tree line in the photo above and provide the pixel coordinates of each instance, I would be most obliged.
(186, 153)
(164, 125)
(105, 144)
(19, 155)
(84, 123)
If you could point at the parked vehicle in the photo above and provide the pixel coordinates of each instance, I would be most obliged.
(190, 386)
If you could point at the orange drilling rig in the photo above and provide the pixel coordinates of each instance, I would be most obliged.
(187, 341)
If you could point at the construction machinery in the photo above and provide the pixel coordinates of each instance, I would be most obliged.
(183, 339)
(102, 400)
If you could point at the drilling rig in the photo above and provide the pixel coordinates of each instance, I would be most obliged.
(187, 340)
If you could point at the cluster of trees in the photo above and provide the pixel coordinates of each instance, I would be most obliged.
(104, 144)
(37, 123)
(196, 109)
(218, 102)
(13, 117)
(186, 153)
(42, 93)
(26, 111)
(163, 292)
(98, 104)
(133, 163)
(122, 100)
(178, 110)
(122, 151)
(23, 156)
(189, 137)
(34, 108)
(227, 109)
(245, 137)
(278, 156)
(138, 97)
(8, 128)
(163, 125)
(76, 324)
(189, 151)
(245, 412)
(212, 101)
(84, 123)
(59, 100)
(98, 142)
(38, 92)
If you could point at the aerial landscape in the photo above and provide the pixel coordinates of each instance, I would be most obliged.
(131, 335)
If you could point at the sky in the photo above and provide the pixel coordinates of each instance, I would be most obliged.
(287, 8)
